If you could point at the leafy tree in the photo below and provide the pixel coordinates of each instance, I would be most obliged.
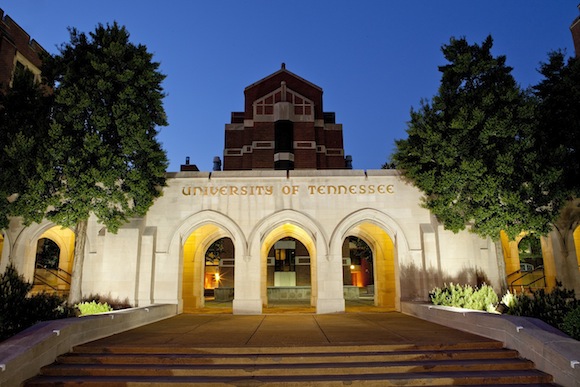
(558, 120)
(24, 123)
(472, 150)
(104, 156)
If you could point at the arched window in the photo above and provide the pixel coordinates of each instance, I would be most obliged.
(47, 254)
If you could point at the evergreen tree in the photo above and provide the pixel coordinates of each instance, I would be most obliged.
(558, 120)
(473, 150)
(104, 156)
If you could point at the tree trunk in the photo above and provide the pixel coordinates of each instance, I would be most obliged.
(569, 273)
(75, 294)
(501, 267)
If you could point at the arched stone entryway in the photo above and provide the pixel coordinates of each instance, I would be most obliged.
(382, 248)
(287, 288)
(192, 239)
(386, 241)
(324, 270)
(194, 264)
(25, 247)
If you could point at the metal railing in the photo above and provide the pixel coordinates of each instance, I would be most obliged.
(531, 276)
(58, 276)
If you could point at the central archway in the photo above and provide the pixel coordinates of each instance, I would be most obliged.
(287, 231)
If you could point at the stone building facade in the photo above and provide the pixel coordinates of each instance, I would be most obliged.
(285, 228)
(279, 222)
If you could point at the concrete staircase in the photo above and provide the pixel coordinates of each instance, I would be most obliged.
(484, 363)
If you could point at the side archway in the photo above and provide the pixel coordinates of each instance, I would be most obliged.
(189, 243)
(25, 247)
(387, 242)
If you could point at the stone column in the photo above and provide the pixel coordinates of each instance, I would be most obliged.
(247, 282)
(329, 283)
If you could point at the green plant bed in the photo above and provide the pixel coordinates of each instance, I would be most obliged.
(89, 308)
(464, 296)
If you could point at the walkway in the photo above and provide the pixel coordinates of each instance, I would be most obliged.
(281, 329)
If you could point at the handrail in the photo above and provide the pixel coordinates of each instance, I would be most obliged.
(56, 274)
(40, 279)
(543, 277)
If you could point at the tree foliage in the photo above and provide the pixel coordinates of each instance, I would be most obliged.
(96, 152)
(558, 117)
(472, 150)
(24, 121)
(108, 104)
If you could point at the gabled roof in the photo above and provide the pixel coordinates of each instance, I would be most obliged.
(283, 71)
(273, 81)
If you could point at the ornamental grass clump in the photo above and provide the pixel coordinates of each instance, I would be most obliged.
(464, 296)
(88, 308)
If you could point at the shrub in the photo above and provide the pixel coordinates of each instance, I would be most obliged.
(13, 291)
(46, 306)
(509, 300)
(88, 308)
(464, 296)
(18, 312)
(551, 307)
(114, 303)
(482, 298)
(571, 323)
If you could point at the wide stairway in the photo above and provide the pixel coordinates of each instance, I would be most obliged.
(479, 363)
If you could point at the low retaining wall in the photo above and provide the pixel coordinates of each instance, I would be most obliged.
(22, 356)
(551, 351)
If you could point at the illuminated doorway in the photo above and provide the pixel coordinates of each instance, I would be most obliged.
(358, 268)
(524, 258)
(369, 264)
(218, 281)
(288, 266)
(54, 261)
(289, 274)
(208, 267)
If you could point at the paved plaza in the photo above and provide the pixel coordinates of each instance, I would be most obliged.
(280, 329)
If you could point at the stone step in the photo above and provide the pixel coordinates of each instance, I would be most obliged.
(358, 349)
(290, 358)
(310, 369)
(481, 363)
(512, 378)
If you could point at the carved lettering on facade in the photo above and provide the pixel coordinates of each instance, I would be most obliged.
(269, 190)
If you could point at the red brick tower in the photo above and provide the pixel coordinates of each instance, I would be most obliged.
(575, 28)
(283, 127)
(16, 50)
